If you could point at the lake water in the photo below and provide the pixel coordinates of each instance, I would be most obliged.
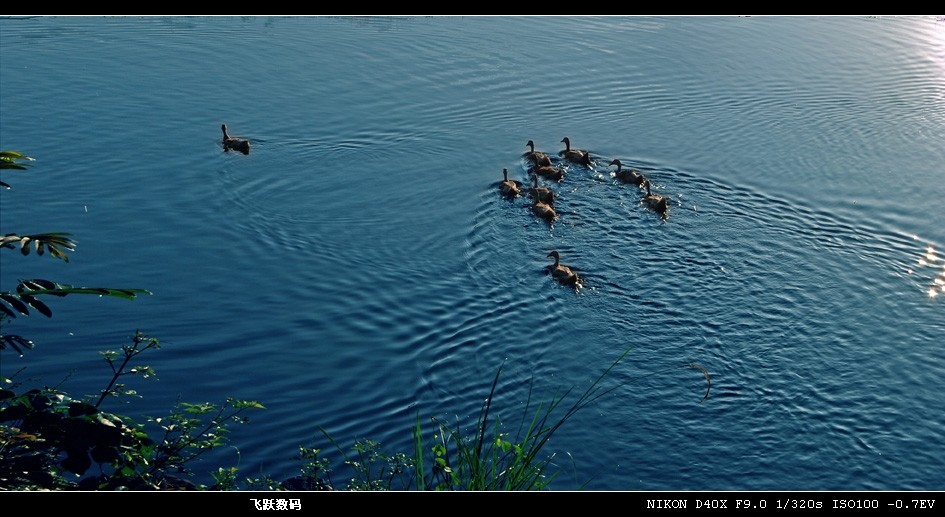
(358, 268)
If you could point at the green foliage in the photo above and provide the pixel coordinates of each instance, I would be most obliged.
(225, 478)
(40, 242)
(46, 435)
(13, 160)
(487, 457)
(313, 467)
(373, 469)
(491, 459)
(49, 440)
(120, 364)
(314, 475)
(190, 430)
(25, 296)
(376, 470)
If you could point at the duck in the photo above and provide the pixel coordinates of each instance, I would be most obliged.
(537, 158)
(655, 202)
(548, 172)
(577, 156)
(544, 211)
(509, 188)
(628, 176)
(233, 142)
(562, 274)
(585, 160)
(543, 194)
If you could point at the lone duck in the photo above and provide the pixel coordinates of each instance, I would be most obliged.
(537, 158)
(655, 202)
(577, 156)
(628, 176)
(548, 172)
(235, 143)
(543, 194)
(544, 211)
(509, 188)
(561, 273)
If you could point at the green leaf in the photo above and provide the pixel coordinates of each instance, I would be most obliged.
(35, 284)
(36, 304)
(55, 241)
(63, 290)
(13, 155)
(239, 404)
(14, 302)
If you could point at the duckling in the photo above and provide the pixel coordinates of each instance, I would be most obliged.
(548, 172)
(509, 188)
(655, 202)
(544, 211)
(543, 194)
(577, 156)
(537, 158)
(628, 176)
(235, 143)
(562, 274)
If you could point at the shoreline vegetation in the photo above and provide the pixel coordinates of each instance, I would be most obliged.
(50, 440)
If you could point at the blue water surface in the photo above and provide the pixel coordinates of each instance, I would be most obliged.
(358, 269)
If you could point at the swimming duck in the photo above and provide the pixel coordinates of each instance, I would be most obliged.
(655, 202)
(561, 273)
(235, 143)
(537, 158)
(585, 160)
(543, 194)
(628, 176)
(548, 172)
(578, 156)
(544, 211)
(509, 188)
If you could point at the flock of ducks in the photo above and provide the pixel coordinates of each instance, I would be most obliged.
(543, 198)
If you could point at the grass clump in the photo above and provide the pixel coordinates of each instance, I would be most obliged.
(485, 459)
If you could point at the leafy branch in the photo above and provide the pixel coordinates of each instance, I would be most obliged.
(139, 343)
(187, 435)
(40, 242)
(27, 290)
